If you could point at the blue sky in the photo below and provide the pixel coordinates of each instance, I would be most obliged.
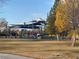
(18, 11)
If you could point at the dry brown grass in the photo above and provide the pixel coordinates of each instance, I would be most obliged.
(40, 49)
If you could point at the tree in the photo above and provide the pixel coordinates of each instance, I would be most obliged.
(61, 17)
(50, 22)
(3, 24)
(51, 19)
(74, 18)
(67, 17)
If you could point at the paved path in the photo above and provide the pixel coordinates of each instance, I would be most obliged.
(9, 56)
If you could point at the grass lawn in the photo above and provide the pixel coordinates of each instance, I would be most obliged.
(41, 49)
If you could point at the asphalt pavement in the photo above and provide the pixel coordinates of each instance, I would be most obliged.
(10, 56)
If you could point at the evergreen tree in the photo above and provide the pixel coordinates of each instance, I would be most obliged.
(51, 19)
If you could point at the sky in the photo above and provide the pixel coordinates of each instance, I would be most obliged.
(18, 11)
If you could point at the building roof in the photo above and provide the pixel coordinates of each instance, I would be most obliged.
(31, 25)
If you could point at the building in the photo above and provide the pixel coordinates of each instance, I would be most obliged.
(35, 25)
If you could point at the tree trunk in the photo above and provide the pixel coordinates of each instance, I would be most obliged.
(74, 38)
(51, 36)
(57, 37)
